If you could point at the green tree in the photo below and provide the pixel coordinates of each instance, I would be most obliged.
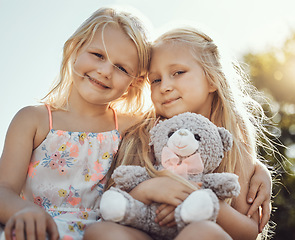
(273, 72)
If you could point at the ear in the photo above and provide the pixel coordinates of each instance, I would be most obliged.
(226, 138)
(212, 88)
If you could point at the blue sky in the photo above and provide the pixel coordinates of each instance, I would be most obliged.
(33, 33)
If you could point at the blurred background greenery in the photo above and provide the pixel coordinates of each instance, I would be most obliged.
(273, 72)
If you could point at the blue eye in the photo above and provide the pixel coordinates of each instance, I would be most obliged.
(122, 69)
(178, 73)
(98, 55)
(156, 81)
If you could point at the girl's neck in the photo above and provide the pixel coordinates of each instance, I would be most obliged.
(78, 119)
(83, 108)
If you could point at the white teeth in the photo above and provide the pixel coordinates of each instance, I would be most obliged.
(91, 79)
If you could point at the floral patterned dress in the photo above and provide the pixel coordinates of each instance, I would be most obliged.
(66, 176)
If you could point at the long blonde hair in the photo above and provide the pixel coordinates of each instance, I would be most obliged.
(233, 106)
(132, 100)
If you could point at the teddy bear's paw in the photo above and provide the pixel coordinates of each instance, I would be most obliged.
(113, 206)
(197, 206)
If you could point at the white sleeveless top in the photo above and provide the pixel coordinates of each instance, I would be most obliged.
(67, 173)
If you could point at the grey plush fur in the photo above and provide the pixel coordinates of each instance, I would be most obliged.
(117, 205)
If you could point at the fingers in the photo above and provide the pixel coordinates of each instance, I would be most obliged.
(19, 229)
(266, 210)
(177, 199)
(161, 190)
(166, 216)
(183, 195)
(41, 229)
(169, 220)
(52, 229)
(255, 205)
(29, 229)
(252, 192)
(161, 207)
(31, 226)
(174, 198)
(171, 224)
(8, 229)
(164, 212)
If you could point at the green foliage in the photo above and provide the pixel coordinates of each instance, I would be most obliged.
(274, 73)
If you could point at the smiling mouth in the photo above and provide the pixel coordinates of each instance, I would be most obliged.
(170, 101)
(96, 82)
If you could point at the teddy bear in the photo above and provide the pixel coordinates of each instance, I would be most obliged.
(191, 146)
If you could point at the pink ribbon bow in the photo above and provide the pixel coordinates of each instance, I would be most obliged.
(190, 165)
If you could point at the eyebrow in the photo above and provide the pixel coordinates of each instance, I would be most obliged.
(176, 65)
(170, 66)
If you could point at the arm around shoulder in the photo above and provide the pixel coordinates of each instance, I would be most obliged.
(233, 219)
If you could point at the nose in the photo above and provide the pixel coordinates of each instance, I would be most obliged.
(105, 68)
(182, 132)
(166, 85)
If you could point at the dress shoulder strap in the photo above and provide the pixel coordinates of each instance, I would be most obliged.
(50, 116)
(115, 118)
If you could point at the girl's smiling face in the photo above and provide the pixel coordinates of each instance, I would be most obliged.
(178, 82)
(106, 67)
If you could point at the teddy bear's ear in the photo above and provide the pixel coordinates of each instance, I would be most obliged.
(226, 138)
(154, 130)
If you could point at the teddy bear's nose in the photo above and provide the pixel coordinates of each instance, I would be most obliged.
(182, 133)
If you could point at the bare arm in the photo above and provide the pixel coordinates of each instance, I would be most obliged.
(14, 163)
(21, 138)
(259, 194)
(233, 219)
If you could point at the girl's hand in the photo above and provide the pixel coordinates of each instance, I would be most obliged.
(165, 215)
(31, 223)
(259, 194)
(161, 190)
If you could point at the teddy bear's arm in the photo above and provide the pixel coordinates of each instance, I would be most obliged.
(224, 185)
(128, 177)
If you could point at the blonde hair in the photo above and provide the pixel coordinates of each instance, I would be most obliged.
(132, 100)
(233, 106)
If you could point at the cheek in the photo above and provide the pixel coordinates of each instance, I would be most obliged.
(153, 98)
(121, 84)
(153, 92)
(81, 62)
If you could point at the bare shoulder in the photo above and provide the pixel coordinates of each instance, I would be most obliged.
(32, 121)
(21, 135)
(126, 120)
(27, 116)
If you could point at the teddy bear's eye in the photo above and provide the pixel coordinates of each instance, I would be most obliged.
(197, 137)
(170, 134)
